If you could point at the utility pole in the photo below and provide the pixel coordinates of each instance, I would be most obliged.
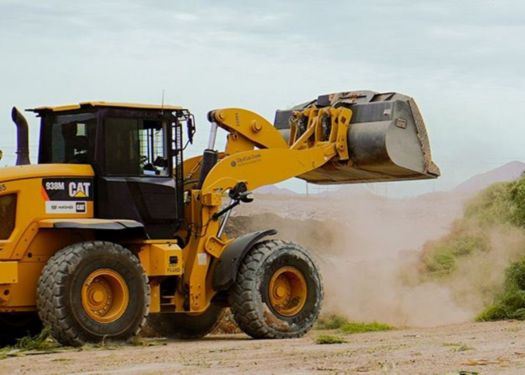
(307, 192)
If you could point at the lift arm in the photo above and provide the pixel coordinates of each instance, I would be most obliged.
(256, 154)
(317, 136)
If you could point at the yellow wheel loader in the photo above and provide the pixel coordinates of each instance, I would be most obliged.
(113, 226)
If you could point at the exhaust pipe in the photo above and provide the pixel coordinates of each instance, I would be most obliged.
(22, 137)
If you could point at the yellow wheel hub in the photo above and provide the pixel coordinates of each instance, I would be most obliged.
(105, 295)
(288, 291)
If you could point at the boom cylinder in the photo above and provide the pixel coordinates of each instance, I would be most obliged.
(210, 155)
(213, 136)
(209, 159)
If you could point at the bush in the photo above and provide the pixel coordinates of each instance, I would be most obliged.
(494, 217)
(439, 257)
(328, 339)
(492, 205)
(43, 341)
(500, 204)
(515, 276)
(440, 260)
(331, 321)
(356, 327)
(517, 194)
(511, 303)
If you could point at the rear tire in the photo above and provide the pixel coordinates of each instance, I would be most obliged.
(278, 291)
(92, 291)
(184, 326)
(17, 325)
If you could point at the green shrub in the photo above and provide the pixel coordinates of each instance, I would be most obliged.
(357, 327)
(515, 276)
(467, 244)
(500, 204)
(440, 260)
(517, 193)
(498, 210)
(329, 339)
(331, 321)
(510, 304)
(43, 341)
(440, 257)
(492, 205)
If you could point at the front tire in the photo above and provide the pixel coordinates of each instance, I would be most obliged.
(278, 291)
(92, 291)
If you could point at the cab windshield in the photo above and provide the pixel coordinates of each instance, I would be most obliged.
(69, 139)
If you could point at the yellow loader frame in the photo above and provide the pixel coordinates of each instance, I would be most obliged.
(256, 154)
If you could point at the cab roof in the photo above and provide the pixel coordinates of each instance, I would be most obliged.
(99, 104)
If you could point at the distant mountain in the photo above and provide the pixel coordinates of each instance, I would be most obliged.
(272, 189)
(361, 191)
(508, 172)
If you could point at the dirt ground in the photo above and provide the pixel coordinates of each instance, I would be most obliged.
(483, 348)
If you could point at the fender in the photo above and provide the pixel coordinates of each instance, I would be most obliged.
(94, 224)
(225, 273)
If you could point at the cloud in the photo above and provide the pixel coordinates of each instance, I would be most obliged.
(460, 60)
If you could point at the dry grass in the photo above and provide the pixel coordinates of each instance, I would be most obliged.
(332, 321)
(329, 339)
(358, 327)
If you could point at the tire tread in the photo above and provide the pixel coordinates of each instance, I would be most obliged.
(50, 296)
(244, 304)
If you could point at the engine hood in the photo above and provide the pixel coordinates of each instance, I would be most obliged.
(44, 170)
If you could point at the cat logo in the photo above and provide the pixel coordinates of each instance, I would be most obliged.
(79, 189)
(80, 207)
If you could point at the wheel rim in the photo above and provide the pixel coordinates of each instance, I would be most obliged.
(287, 291)
(105, 295)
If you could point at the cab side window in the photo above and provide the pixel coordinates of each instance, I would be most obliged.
(136, 147)
(71, 142)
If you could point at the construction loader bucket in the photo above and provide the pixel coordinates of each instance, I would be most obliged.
(387, 139)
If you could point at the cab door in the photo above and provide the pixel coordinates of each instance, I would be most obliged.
(135, 179)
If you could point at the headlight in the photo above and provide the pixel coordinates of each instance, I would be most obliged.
(7, 215)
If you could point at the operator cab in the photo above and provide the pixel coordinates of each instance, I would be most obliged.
(135, 151)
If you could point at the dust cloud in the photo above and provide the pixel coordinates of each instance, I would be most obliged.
(368, 249)
(374, 290)
(480, 276)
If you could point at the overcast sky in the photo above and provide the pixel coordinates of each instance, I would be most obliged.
(463, 62)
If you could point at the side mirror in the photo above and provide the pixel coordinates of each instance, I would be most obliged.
(191, 128)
